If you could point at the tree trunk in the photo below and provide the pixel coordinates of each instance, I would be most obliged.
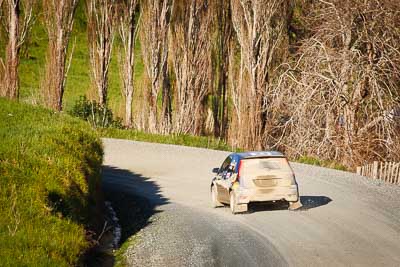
(224, 33)
(156, 16)
(191, 57)
(12, 59)
(128, 107)
(101, 37)
(59, 19)
(127, 32)
(166, 112)
(261, 29)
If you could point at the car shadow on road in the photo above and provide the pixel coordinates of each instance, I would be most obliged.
(308, 202)
(311, 202)
(133, 197)
(267, 206)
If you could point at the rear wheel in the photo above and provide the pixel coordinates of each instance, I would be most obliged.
(232, 203)
(214, 200)
(295, 205)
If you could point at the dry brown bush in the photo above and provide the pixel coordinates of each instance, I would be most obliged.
(340, 98)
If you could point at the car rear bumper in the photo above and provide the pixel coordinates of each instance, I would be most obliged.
(288, 193)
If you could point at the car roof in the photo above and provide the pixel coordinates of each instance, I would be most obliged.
(257, 154)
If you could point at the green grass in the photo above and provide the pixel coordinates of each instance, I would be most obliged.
(120, 258)
(322, 163)
(50, 175)
(33, 60)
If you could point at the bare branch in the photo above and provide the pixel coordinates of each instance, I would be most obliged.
(101, 34)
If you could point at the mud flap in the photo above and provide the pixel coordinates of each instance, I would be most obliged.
(241, 208)
(295, 205)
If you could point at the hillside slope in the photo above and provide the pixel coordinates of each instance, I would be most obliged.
(50, 177)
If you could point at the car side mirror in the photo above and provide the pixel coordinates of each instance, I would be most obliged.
(215, 170)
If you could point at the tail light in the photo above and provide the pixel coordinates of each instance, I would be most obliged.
(239, 170)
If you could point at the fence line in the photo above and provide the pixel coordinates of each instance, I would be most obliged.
(385, 171)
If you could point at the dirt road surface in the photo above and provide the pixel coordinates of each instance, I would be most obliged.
(346, 220)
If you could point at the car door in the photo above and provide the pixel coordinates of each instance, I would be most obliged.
(221, 182)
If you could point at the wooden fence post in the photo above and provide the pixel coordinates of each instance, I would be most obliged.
(384, 171)
(387, 172)
(393, 173)
(398, 174)
(390, 172)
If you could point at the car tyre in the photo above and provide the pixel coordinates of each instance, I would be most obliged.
(232, 203)
(214, 200)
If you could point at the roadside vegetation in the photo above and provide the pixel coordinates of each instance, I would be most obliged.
(174, 139)
(202, 142)
(317, 80)
(304, 82)
(49, 188)
(108, 125)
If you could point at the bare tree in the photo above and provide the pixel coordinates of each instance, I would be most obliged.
(343, 89)
(261, 29)
(156, 15)
(100, 14)
(191, 57)
(59, 20)
(222, 41)
(127, 31)
(17, 27)
(260, 26)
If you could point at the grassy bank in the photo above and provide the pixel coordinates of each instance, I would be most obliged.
(50, 175)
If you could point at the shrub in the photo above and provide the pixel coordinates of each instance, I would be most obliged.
(97, 115)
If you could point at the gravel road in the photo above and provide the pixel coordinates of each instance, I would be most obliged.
(346, 220)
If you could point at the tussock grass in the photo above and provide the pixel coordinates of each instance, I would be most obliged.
(322, 163)
(49, 179)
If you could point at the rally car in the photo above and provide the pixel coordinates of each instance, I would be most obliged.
(264, 176)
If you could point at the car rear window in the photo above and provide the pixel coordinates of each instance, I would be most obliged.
(260, 166)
